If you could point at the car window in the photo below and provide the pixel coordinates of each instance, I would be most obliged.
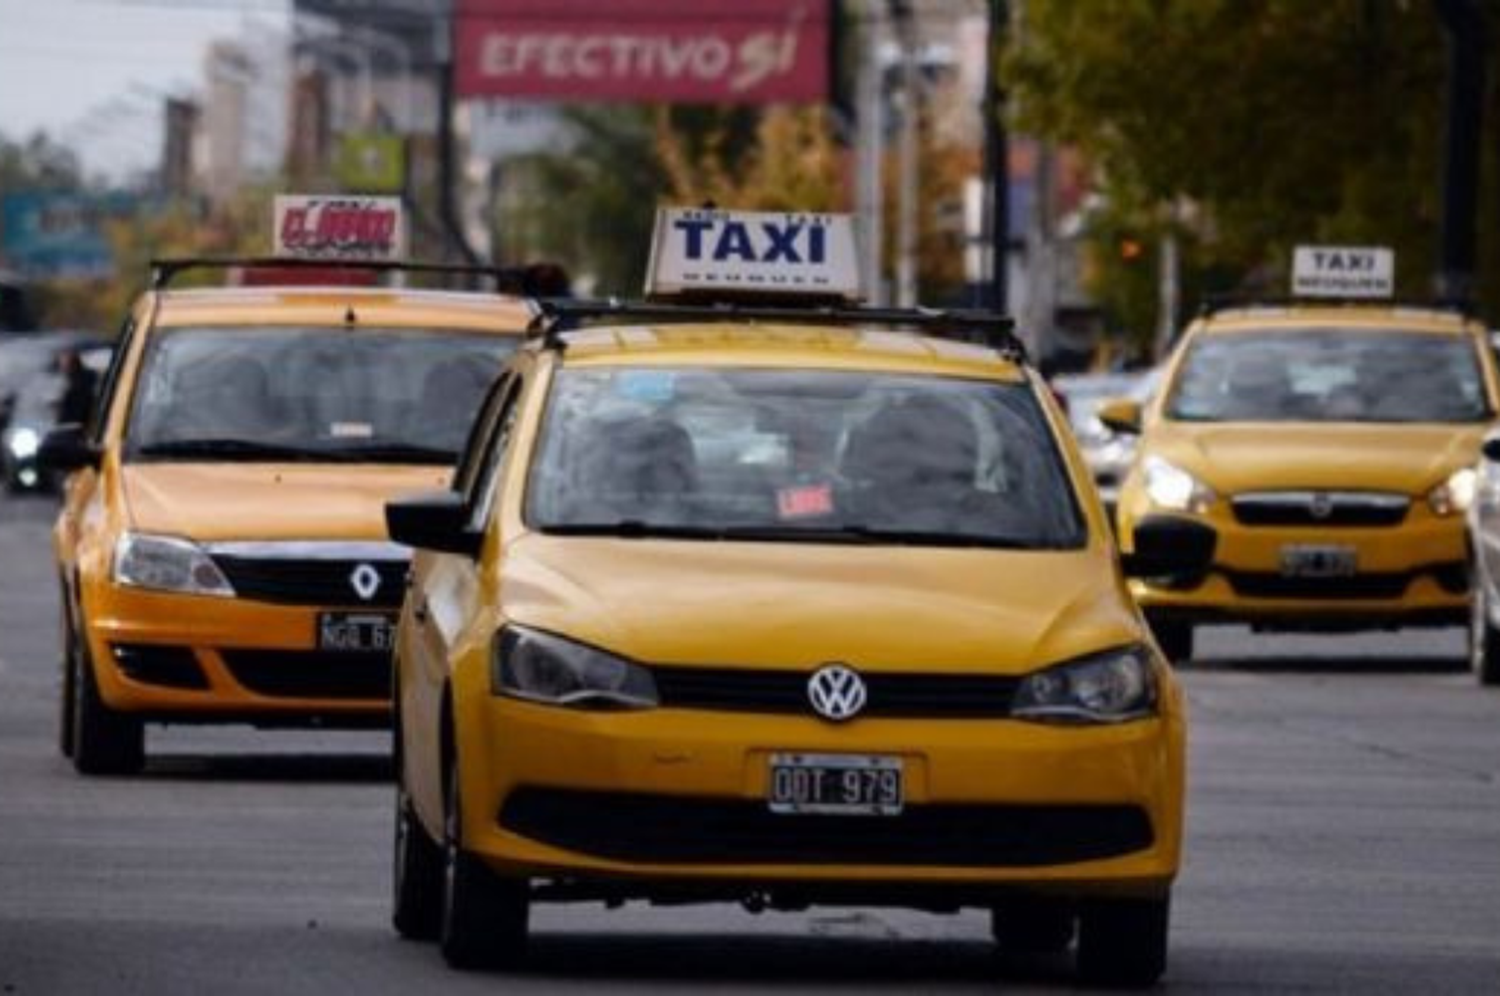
(479, 498)
(377, 395)
(783, 453)
(104, 403)
(1330, 374)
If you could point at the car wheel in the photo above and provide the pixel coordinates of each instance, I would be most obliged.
(1123, 942)
(105, 742)
(1040, 927)
(417, 875)
(484, 916)
(1484, 638)
(1175, 638)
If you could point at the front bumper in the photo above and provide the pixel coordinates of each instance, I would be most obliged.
(645, 803)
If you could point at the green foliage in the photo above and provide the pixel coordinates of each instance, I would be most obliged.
(1250, 126)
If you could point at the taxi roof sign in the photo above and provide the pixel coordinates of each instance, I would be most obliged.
(339, 227)
(1344, 272)
(706, 252)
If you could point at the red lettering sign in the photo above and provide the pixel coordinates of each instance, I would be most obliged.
(804, 501)
(744, 52)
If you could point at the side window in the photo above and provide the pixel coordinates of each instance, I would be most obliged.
(471, 462)
(105, 400)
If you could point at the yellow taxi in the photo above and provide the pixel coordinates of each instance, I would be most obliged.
(783, 607)
(220, 547)
(1329, 446)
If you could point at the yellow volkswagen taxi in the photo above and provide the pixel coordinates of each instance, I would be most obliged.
(782, 607)
(220, 548)
(1330, 447)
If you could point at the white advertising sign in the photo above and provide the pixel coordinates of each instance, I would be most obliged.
(755, 252)
(1343, 271)
(339, 227)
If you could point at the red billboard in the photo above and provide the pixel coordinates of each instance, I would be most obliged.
(679, 51)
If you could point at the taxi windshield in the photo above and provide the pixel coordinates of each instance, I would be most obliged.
(800, 455)
(377, 395)
(1333, 375)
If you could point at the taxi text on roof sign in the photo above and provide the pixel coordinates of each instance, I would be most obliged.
(1343, 271)
(315, 226)
(704, 250)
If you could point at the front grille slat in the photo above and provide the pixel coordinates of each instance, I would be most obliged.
(890, 695)
(311, 674)
(677, 830)
(312, 582)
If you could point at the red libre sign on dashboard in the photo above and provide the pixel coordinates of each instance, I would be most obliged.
(745, 52)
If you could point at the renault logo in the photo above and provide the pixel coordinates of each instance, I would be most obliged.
(366, 582)
(1320, 505)
(836, 692)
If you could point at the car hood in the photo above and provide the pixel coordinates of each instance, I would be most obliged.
(1410, 459)
(263, 501)
(797, 605)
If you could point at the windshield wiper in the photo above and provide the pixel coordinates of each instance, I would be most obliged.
(229, 449)
(851, 534)
(392, 453)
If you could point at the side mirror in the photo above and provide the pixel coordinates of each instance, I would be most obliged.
(434, 521)
(67, 448)
(1122, 415)
(1165, 546)
(1491, 447)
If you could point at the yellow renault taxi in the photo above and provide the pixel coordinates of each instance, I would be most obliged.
(786, 607)
(221, 549)
(1329, 445)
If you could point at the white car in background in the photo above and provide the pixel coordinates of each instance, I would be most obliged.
(1108, 453)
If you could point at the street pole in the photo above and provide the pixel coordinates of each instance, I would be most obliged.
(448, 178)
(996, 163)
(908, 152)
(869, 152)
(1463, 20)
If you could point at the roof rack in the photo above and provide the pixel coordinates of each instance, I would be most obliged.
(508, 279)
(1214, 303)
(985, 328)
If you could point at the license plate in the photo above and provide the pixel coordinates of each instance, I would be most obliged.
(1318, 561)
(356, 632)
(836, 784)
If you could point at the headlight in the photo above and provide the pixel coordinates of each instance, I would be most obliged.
(1456, 494)
(1109, 687)
(1170, 487)
(165, 563)
(23, 443)
(543, 668)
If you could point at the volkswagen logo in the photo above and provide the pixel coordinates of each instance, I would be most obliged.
(1320, 505)
(836, 692)
(365, 581)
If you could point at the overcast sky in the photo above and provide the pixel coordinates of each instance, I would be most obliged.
(93, 72)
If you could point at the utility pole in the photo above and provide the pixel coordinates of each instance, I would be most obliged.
(908, 154)
(448, 178)
(1463, 20)
(996, 227)
(869, 152)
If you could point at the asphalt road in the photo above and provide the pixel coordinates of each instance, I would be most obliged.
(1344, 836)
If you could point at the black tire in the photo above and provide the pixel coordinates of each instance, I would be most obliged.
(1175, 638)
(1484, 638)
(484, 917)
(1040, 927)
(1123, 942)
(105, 742)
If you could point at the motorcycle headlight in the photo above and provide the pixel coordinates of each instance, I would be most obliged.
(1170, 487)
(167, 563)
(1109, 687)
(23, 443)
(1456, 494)
(529, 664)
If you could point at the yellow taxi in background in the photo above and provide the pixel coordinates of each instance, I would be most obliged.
(1330, 449)
(786, 608)
(220, 548)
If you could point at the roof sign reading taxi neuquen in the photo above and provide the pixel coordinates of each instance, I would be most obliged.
(339, 228)
(1343, 271)
(704, 251)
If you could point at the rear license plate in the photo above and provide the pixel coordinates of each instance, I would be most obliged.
(836, 784)
(356, 632)
(1308, 561)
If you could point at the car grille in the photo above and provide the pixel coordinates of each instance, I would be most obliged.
(156, 664)
(748, 690)
(304, 674)
(673, 830)
(1320, 508)
(312, 582)
(1453, 577)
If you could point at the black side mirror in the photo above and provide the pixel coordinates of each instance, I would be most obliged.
(434, 521)
(1491, 448)
(67, 448)
(1165, 546)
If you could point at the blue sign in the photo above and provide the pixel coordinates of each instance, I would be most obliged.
(45, 234)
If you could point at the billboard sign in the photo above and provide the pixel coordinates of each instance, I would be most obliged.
(747, 52)
(53, 234)
(314, 226)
